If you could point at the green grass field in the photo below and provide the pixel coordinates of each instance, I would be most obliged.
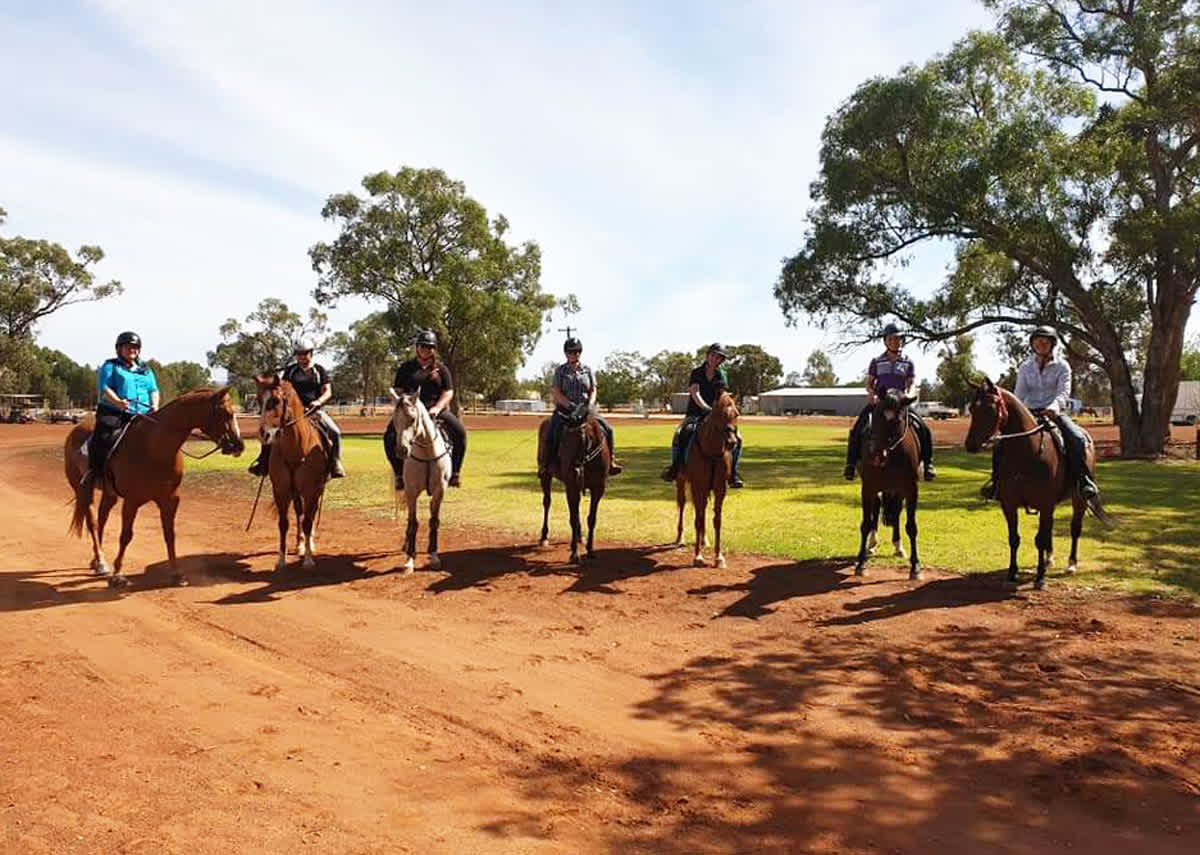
(797, 505)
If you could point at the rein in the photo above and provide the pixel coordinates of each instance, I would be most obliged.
(1002, 417)
(150, 418)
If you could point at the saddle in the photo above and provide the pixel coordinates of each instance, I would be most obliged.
(323, 433)
(1055, 433)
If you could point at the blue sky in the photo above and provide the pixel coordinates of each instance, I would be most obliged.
(660, 153)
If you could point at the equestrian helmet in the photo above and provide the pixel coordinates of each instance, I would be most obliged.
(302, 345)
(1044, 331)
(425, 338)
(572, 345)
(716, 348)
(890, 329)
(129, 337)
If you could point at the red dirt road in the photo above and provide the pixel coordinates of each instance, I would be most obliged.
(514, 704)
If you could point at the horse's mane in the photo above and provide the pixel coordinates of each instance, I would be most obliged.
(192, 394)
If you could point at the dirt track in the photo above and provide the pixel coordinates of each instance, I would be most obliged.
(516, 705)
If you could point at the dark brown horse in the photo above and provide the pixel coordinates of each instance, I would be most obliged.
(582, 464)
(891, 461)
(299, 464)
(709, 462)
(1030, 472)
(146, 466)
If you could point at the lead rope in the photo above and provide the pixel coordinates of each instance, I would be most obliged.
(257, 495)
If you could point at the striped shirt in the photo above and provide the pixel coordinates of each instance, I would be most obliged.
(576, 382)
(889, 374)
(1044, 387)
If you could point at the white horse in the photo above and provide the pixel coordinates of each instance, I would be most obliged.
(426, 458)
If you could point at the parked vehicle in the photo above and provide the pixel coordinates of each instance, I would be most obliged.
(57, 416)
(934, 410)
(1187, 404)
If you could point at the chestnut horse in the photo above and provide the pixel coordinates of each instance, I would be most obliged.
(709, 462)
(426, 456)
(582, 464)
(891, 461)
(1030, 472)
(146, 466)
(298, 466)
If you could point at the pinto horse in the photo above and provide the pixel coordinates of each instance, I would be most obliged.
(426, 456)
(1030, 473)
(582, 464)
(298, 466)
(891, 460)
(709, 462)
(146, 466)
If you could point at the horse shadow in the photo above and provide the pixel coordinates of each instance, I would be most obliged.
(329, 570)
(43, 589)
(949, 593)
(478, 568)
(778, 583)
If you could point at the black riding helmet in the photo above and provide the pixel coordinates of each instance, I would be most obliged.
(1044, 331)
(572, 345)
(891, 329)
(425, 338)
(716, 348)
(129, 337)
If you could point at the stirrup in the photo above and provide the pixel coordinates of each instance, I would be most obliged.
(850, 472)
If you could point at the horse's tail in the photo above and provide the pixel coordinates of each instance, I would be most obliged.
(83, 506)
(1097, 508)
(891, 510)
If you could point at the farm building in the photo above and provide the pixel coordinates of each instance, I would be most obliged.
(815, 400)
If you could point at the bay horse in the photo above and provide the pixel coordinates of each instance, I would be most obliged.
(298, 465)
(426, 455)
(146, 465)
(709, 463)
(582, 463)
(1031, 473)
(891, 461)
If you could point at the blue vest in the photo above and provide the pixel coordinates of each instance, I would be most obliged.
(133, 384)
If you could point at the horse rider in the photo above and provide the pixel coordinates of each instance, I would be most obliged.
(891, 370)
(311, 382)
(126, 389)
(1044, 385)
(705, 385)
(433, 383)
(574, 392)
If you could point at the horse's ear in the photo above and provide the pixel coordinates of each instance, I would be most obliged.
(988, 384)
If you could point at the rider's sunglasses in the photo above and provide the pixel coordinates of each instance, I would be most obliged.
(576, 352)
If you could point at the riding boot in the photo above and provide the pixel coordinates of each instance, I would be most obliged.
(259, 468)
(336, 469)
(672, 472)
(926, 438)
(614, 467)
(851, 456)
(735, 480)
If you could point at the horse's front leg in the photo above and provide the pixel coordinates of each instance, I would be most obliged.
(1014, 541)
(718, 504)
(597, 491)
(107, 502)
(1045, 545)
(129, 512)
(283, 505)
(544, 540)
(435, 509)
(298, 507)
(910, 527)
(167, 509)
(1079, 508)
(573, 497)
(700, 505)
(411, 494)
(866, 528)
(305, 524)
(680, 503)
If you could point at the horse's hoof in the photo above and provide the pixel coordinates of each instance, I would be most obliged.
(408, 567)
(720, 562)
(179, 581)
(100, 568)
(898, 548)
(680, 542)
(860, 570)
(574, 559)
(699, 561)
(435, 563)
(544, 542)
(118, 581)
(1039, 583)
(915, 574)
(1072, 569)
(308, 562)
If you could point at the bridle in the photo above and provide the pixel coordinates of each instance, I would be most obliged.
(1002, 418)
(226, 443)
(902, 414)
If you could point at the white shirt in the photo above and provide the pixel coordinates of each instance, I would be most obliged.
(1044, 387)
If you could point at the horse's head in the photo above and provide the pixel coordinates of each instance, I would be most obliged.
(407, 420)
(272, 405)
(221, 426)
(889, 424)
(725, 415)
(988, 414)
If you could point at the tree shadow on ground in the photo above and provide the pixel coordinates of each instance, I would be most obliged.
(960, 739)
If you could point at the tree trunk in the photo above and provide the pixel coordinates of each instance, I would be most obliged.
(1145, 428)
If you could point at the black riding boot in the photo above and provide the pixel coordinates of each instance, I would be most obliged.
(926, 437)
(393, 458)
(851, 455)
(672, 472)
(735, 480)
